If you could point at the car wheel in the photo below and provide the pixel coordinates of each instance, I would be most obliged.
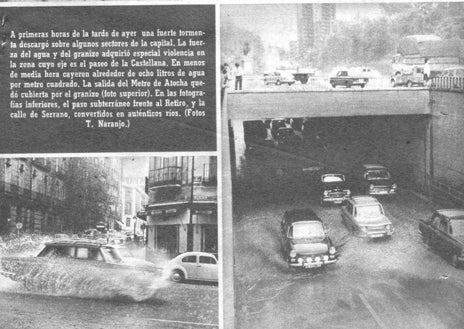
(363, 85)
(177, 276)
(454, 260)
(393, 83)
(278, 82)
(333, 85)
(409, 84)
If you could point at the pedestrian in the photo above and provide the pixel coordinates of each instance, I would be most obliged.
(238, 76)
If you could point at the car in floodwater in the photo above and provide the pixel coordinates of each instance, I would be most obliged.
(333, 189)
(77, 260)
(278, 78)
(305, 242)
(444, 231)
(375, 179)
(365, 217)
(194, 265)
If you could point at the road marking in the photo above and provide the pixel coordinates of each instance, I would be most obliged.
(184, 322)
(373, 313)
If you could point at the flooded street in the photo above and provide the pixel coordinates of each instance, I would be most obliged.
(173, 306)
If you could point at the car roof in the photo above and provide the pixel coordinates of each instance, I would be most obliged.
(300, 215)
(373, 166)
(452, 213)
(196, 253)
(77, 243)
(364, 200)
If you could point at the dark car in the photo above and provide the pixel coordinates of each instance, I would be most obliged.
(375, 179)
(287, 137)
(304, 239)
(333, 189)
(444, 231)
(78, 260)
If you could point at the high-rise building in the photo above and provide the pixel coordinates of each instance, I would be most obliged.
(314, 22)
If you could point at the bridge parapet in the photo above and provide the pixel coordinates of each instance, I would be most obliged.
(261, 105)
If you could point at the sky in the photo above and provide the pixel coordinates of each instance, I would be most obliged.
(276, 23)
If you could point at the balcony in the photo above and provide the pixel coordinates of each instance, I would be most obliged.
(15, 190)
(165, 176)
(42, 163)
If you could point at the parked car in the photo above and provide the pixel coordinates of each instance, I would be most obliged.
(344, 78)
(365, 217)
(333, 189)
(278, 78)
(194, 265)
(74, 257)
(305, 241)
(375, 179)
(444, 231)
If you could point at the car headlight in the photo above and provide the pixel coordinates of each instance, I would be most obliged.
(317, 259)
(394, 186)
(348, 192)
(300, 260)
(326, 258)
(326, 193)
(292, 253)
(332, 250)
(387, 227)
(371, 187)
(363, 228)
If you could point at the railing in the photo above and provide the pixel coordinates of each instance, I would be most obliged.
(14, 189)
(448, 83)
(166, 176)
(447, 194)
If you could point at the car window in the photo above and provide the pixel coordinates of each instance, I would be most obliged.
(436, 220)
(368, 211)
(57, 251)
(111, 255)
(307, 230)
(443, 226)
(189, 259)
(377, 174)
(82, 253)
(456, 227)
(207, 260)
(94, 254)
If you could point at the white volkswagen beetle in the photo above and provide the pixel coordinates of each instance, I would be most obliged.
(194, 265)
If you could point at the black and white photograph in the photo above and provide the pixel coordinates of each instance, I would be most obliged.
(109, 242)
(345, 140)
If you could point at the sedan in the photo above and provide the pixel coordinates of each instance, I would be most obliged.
(194, 265)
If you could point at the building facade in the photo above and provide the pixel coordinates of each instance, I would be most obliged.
(32, 194)
(51, 195)
(182, 208)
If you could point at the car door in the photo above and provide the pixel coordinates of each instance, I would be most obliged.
(441, 235)
(433, 230)
(189, 263)
(207, 268)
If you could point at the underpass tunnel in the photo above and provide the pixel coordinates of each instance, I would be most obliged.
(400, 142)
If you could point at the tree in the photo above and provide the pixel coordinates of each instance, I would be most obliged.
(88, 200)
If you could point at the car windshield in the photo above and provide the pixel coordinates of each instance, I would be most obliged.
(457, 227)
(369, 211)
(111, 255)
(307, 230)
(378, 174)
(333, 179)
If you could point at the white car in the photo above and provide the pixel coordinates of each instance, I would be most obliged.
(194, 265)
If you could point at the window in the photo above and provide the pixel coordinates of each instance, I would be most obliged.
(435, 220)
(189, 259)
(94, 254)
(207, 260)
(443, 226)
(82, 253)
